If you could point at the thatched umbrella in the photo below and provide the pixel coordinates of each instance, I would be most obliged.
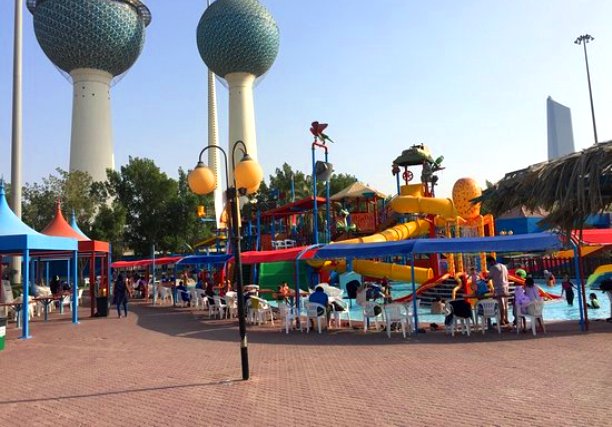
(570, 188)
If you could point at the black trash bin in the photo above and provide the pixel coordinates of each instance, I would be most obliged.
(102, 306)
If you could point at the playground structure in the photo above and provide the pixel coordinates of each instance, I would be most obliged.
(434, 217)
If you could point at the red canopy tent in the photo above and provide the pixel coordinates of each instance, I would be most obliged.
(291, 254)
(89, 249)
(146, 262)
(594, 236)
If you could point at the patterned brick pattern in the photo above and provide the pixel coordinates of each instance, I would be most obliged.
(100, 34)
(173, 367)
(238, 36)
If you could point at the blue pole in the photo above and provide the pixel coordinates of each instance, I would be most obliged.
(315, 208)
(108, 272)
(327, 208)
(25, 306)
(414, 295)
(75, 287)
(581, 284)
(47, 273)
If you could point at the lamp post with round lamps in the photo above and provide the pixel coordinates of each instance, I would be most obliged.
(583, 40)
(247, 177)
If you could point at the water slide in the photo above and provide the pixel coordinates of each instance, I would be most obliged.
(601, 273)
(411, 200)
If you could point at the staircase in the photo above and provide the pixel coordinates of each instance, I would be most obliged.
(443, 290)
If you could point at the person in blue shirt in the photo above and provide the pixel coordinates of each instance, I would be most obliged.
(184, 292)
(320, 297)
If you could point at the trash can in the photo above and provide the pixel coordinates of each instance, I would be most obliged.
(2, 332)
(102, 306)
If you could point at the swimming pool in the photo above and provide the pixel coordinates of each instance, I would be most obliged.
(553, 310)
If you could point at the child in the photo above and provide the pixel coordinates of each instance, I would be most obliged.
(550, 279)
(568, 288)
(593, 301)
(437, 306)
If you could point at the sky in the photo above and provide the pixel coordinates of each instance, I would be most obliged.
(469, 79)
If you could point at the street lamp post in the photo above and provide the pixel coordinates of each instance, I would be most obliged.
(247, 177)
(583, 40)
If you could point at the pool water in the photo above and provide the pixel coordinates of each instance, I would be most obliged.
(553, 310)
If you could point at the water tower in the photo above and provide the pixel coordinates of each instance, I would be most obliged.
(93, 41)
(238, 40)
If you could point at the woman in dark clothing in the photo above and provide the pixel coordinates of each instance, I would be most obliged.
(55, 286)
(120, 295)
(568, 288)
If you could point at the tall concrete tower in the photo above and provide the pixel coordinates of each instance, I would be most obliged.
(238, 40)
(560, 133)
(93, 41)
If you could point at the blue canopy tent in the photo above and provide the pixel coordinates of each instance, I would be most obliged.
(514, 243)
(204, 259)
(17, 239)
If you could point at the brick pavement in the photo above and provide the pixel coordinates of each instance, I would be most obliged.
(166, 366)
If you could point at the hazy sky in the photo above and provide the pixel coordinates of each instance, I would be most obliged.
(467, 78)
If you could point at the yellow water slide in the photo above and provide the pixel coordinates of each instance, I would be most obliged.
(410, 200)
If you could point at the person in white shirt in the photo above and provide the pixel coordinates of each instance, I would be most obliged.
(498, 274)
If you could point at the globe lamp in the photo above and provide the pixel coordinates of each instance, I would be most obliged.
(201, 180)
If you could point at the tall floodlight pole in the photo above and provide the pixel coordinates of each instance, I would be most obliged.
(213, 139)
(583, 40)
(16, 142)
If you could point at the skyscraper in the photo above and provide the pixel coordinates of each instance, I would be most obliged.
(560, 134)
(93, 41)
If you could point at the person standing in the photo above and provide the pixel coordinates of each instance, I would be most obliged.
(498, 274)
(567, 287)
(121, 294)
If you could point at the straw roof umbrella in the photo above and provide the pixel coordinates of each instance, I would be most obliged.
(570, 188)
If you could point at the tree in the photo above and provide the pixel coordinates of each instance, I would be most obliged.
(73, 189)
(339, 182)
(158, 209)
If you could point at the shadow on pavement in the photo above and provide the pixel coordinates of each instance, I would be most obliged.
(194, 324)
(120, 392)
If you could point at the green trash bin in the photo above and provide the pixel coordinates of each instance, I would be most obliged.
(2, 332)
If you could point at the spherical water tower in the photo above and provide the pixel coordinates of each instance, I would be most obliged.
(93, 41)
(238, 40)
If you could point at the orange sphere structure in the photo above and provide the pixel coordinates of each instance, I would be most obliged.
(464, 190)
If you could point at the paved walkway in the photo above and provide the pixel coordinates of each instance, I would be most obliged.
(164, 366)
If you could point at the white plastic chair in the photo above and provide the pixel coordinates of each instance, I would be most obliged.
(315, 312)
(219, 308)
(370, 312)
(232, 304)
(165, 295)
(409, 306)
(396, 313)
(534, 312)
(490, 310)
(465, 321)
(286, 315)
(336, 314)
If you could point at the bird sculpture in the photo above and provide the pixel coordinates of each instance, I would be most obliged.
(317, 129)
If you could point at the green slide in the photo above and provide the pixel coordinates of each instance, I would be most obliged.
(272, 274)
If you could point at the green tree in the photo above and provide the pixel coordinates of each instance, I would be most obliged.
(73, 189)
(339, 182)
(144, 192)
